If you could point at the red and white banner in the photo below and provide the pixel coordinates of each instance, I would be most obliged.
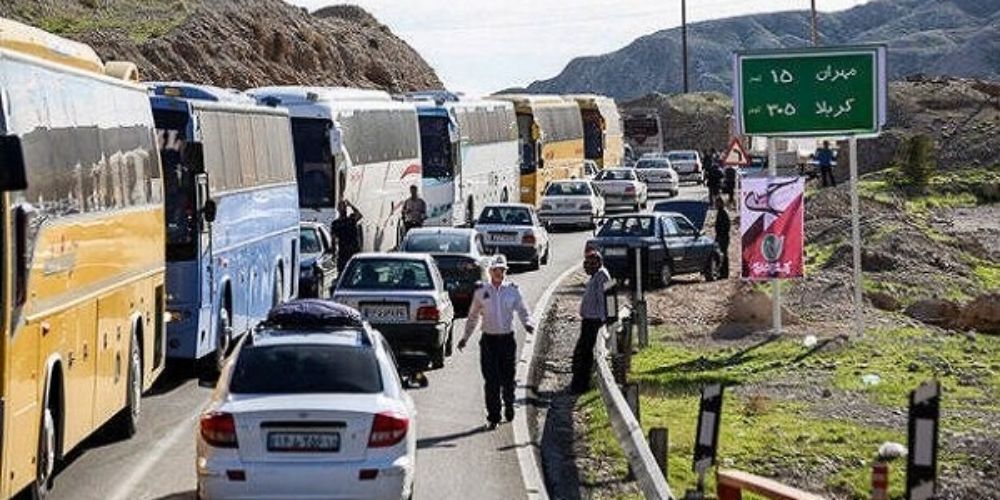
(772, 220)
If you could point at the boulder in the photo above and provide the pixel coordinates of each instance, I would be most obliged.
(883, 301)
(754, 307)
(982, 314)
(937, 312)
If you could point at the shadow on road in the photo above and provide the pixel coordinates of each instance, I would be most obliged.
(447, 440)
(187, 495)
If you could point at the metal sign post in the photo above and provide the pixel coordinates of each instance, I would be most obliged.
(859, 318)
(707, 437)
(921, 461)
(772, 169)
(641, 317)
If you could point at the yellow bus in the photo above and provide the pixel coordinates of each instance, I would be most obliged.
(550, 134)
(82, 269)
(603, 134)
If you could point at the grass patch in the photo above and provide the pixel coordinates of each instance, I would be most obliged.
(140, 20)
(988, 274)
(934, 201)
(818, 255)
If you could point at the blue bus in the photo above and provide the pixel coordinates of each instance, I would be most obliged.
(232, 215)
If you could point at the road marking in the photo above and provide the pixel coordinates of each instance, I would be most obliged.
(527, 457)
(126, 488)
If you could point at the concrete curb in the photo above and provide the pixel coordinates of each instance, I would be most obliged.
(528, 456)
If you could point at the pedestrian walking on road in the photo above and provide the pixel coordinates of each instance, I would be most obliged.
(345, 230)
(723, 224)
(729, 183)
(495, 304)
(593, 314)
(713, 179)
(824, 156)
(414, 211)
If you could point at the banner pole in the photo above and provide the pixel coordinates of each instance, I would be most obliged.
(859, 321)
(772, 167)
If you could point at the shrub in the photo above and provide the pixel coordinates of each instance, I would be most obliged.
(918, 162)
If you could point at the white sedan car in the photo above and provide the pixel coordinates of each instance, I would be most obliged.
(514, 230)
(571, 203)
(659, 175)
(621, 187)
(309, 406)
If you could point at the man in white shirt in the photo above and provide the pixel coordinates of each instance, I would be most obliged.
(414, 210)
(495, 304)
(593, 314)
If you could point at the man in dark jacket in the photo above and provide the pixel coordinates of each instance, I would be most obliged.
(345, 231)
(722, 227)
(713, 179)
(729, 183)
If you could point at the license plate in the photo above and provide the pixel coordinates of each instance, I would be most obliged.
(385, 313)
(503, 237)
(303, 441)
(616, 252)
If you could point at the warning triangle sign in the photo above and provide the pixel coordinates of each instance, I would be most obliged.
(736, 155)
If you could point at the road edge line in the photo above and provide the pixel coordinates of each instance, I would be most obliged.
(126, 488)
(528, 456)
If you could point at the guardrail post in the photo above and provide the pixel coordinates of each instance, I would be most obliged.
(658, 440)
(631, 392)
(642, 323)
(621, 359)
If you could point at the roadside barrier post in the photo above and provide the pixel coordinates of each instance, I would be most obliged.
(632, 399)
(641, 318)
(880, 481)
(922, 431)
(658, 439)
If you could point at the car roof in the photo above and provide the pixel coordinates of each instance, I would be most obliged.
(312, 321)
(422, 257)
(443, 230)
(617, 169)
(512, 205)
(311, 224)
(348, 337)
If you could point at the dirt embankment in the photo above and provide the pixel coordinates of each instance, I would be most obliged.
(236, 43)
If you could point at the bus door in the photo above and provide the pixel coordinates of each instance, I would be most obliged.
(206, 209)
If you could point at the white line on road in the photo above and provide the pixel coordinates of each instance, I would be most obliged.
(126, 488)
(527, 456)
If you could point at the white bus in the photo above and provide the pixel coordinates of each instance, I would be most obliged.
(356, 145)
(643, 131)
(470, 155)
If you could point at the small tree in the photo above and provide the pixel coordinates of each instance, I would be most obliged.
(918, 162)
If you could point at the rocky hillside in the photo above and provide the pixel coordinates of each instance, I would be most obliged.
(946, 37)
(236, 43)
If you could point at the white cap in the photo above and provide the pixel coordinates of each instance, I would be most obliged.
(500, 261)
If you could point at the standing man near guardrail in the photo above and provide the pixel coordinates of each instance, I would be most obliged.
(495, 303)
(593, 314)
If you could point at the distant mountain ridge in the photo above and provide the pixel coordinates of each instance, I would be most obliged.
(947, 37)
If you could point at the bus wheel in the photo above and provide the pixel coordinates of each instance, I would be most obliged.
(277, 294)
(225, 337)
(128, 420)
(46, 455)
(505, 197)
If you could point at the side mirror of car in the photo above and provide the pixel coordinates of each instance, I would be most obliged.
(210, 211)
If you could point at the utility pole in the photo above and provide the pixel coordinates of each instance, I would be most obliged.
(815, 33)
(684, 42)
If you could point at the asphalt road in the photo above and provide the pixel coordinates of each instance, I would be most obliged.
(456, 457)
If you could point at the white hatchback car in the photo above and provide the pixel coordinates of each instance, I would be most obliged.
(513, 229)
(571, 203)
(309, 406)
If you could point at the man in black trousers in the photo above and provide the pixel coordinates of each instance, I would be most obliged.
(495, 303)
(722, 228)
(593, 314)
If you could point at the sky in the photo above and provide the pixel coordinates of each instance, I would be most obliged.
(481, 46)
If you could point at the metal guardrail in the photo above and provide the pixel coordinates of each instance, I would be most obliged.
(626, 427)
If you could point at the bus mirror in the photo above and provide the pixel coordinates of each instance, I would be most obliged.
(13, 175)
(209, 211)
(335, 140)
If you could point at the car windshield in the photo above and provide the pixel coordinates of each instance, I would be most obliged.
(306, 369)
(682, 156)
(627, 226)
(568, 189)
(653, 163)
(387, 274)
(616, 175)
(309, 240)
(437, 243)
(510, 216)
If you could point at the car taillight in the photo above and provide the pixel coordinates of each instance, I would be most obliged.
(697, 167)
(387, 430)
(629, 189)
(219, 429)
(428, 313)
(528, 239)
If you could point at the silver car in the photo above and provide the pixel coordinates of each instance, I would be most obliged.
(514, 230)
(621, 187)
(659, 175)
(571, 203)
(402, 295)
(688, 165)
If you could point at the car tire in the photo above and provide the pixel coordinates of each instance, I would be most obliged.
(545, 257)
(45, 469)
(128, 420)
(665, 276)
(712, 272)
(438, 356)
(637, 207)
(223, 342)
(535, 263)
(449, 343)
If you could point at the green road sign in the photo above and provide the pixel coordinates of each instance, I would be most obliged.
(811, 92)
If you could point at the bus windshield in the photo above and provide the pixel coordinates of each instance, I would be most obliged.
(313, 162)
(435, 143)
(179, 185)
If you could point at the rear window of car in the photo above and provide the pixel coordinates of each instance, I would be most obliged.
(657, 163)
(387, 274)
(437, 243)
(568, 189)
(306, 369)
(309, 241)
(513, 216)
(627, 226)
(682, 156)
(616, 175)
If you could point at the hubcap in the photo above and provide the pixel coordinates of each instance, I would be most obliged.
(48, 453)
(136, 384)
